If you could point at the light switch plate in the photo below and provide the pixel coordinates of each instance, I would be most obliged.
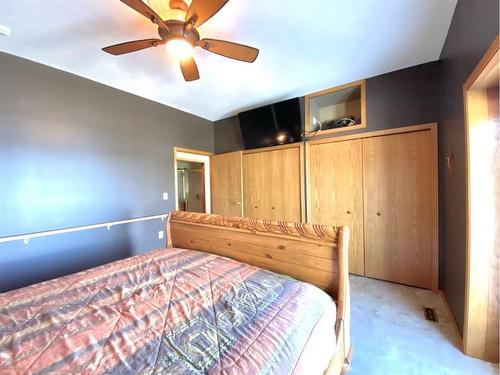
(165, 196)
(160, 235)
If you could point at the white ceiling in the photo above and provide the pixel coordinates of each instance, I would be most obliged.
(305, 46)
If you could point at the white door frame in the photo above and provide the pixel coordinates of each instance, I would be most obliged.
(196, 156)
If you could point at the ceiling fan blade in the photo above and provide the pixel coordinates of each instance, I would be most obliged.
(229, 49)
(146, 11)
(189, 69)
(202, 10)
(120, 49)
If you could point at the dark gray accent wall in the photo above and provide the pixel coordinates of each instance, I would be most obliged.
(473, 28)
(227, 135)
(404, 97)
(75, 152)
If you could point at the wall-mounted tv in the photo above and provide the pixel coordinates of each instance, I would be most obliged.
(271, 125)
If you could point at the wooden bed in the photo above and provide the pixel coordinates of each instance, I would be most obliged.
(313, 253)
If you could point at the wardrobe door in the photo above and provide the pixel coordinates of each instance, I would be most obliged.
(282, 198)
(226, 181)
(253, 184)
(336, 192)
(272, 184)
(400, 207)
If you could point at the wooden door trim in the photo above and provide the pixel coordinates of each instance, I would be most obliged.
(206, 184)
(469, 347)
(376, 133)
(272, 148)
(303, 210)
(192, 151)
(488, 55)
(435, 193)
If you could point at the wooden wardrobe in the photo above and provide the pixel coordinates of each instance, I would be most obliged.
(384, 186)
(265, 183)
(226, 176)
(335, 192)
(272, 183)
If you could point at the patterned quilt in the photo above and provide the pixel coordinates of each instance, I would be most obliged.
(169, 311)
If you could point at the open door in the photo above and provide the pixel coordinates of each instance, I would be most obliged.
(192, 180)
(482, 131)
(191, 189)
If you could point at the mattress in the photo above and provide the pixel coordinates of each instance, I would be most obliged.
(169, 311)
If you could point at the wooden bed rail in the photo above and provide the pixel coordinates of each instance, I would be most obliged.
(313, 253)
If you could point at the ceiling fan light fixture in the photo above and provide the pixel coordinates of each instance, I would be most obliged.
(180, 48)
(181, 36)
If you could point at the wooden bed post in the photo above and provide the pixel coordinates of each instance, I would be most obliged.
(317, 254)
(344, 300)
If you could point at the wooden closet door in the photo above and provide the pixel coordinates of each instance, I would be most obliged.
(400, 213)
(226, 180)
(282, 198)
(253, 184)
(272, 184)
(336, 192)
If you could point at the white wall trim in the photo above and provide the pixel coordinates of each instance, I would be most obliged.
(108, 224)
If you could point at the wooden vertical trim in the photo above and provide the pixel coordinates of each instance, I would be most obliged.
(435, 191)
(308, 180)
(489, 54)
(242, 207)
(168, 231)
(363, 202)
(471, 345)
(343, 304)
(363, 104)
(303, 218)
(195, 152)
(176, 183)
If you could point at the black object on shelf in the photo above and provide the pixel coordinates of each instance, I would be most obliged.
(339, 123)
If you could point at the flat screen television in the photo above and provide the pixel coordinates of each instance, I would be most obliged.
(271, 125)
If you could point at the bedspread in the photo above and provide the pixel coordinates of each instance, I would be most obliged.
(169, 311)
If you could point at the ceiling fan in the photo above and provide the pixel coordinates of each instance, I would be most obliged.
(178, 32)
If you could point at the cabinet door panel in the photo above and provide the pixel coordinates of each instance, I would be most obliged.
(226, 179)
(400, 215)
(272, 184)
(336, 192)
(283, 186)
(253, 184)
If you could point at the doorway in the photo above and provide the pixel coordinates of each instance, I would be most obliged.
(482, 130)
(190, 189)
(192, 180)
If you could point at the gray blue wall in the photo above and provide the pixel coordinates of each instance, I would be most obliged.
(473, 29)
(75, 152)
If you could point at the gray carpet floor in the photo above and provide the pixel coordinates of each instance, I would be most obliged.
(391, 336)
